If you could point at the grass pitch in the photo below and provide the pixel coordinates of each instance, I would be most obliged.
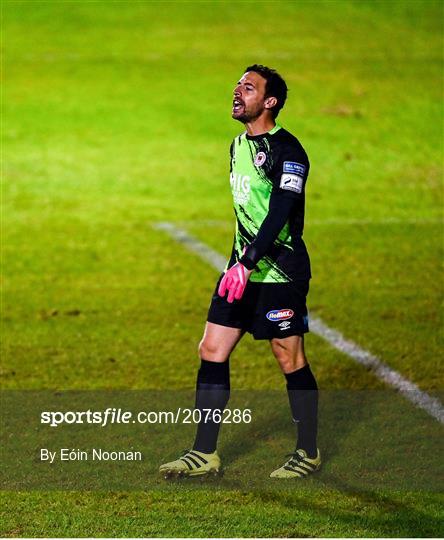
(116, 116)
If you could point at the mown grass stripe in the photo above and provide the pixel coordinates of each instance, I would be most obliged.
(385, 373)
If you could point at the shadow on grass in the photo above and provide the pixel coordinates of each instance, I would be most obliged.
(374, 431)
(338, 417)
(376, 513)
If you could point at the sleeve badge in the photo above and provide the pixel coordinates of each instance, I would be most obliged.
(292, 182)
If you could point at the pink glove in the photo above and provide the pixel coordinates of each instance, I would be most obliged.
(234, 281)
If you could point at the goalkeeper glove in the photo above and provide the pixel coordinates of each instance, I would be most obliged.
(234, 281)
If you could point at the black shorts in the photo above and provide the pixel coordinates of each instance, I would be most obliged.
(266, 310)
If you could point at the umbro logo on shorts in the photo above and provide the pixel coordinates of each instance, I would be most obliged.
(284, 325)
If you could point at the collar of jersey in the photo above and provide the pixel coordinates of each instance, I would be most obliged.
(277, 127)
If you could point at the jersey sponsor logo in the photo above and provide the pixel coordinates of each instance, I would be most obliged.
(240, 187)
(260, 159)
(279, 314)
(292, 182)
(293, 167)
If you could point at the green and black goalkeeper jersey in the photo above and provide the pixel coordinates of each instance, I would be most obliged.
(267, 176)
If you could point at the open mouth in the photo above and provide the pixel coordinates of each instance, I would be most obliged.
(237, 105)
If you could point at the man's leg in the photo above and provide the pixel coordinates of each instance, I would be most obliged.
(213, 381)
(212, 393)
(303, 397)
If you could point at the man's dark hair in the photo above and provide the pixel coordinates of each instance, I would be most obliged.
(275, 86)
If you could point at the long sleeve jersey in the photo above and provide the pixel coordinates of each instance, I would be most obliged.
(268, 174)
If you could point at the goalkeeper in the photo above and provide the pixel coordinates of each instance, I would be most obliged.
(263, 290)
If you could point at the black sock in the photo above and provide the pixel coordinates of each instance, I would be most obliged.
(303, 396)
(212, 392)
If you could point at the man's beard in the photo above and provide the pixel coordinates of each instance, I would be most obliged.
(246, 117)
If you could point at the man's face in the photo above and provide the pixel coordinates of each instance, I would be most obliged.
(249, 97)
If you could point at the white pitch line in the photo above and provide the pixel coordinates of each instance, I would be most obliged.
(206, 253)
(385, 373)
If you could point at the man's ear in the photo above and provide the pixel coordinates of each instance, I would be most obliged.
(270, 102)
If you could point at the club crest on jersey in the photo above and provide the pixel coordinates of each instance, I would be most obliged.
(260, 159)
(279, 315)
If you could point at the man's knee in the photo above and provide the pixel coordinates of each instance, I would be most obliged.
(210, 350)
(289, 353)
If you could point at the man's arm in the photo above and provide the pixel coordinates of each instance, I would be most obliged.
(288, 186)
(279, 211)
(289, 177)
(236, 278)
